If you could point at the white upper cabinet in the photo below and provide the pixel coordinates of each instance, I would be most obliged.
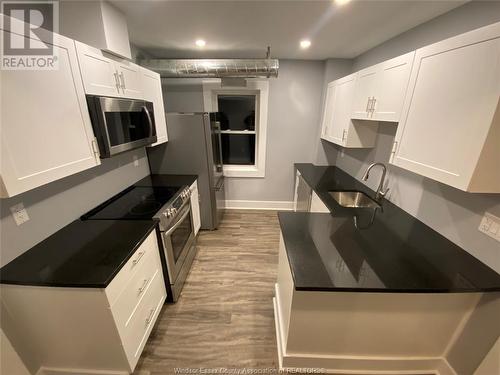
(337, 126)
(380, 89)
(107, 76)
(392, 82)
(99, 73)
(364, 93)
(450, 124)
(326, 123)
(130, 79)
(45, 124)
(152, 92)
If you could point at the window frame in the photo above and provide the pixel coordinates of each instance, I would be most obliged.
(259, 88)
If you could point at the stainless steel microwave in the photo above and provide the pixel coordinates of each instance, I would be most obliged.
(121, 124)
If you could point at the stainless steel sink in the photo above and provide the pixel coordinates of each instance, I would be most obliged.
(353, 199)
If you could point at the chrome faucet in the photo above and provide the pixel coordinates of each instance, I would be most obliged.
(380, 192)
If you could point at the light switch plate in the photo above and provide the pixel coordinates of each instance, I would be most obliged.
(490, 225)
(19, 214)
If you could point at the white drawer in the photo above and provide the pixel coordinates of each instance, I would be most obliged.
(137, 329)
(136, 287)
(120, 282)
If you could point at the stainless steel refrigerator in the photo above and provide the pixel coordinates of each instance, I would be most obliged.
(194, 147)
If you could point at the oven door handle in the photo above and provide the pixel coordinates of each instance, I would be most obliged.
(174, 227)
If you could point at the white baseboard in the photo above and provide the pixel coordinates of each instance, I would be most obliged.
(71, 371)
(357, 365)
(258, 205)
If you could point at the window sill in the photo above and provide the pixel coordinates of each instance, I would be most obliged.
(250, 171)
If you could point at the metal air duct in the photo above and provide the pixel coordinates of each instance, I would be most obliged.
(213, 68)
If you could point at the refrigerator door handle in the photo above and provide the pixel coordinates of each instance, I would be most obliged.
(218, 146)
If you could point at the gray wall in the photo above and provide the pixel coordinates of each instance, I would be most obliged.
(462, 19)
(292, 131)
(52, 206)
(293, 115)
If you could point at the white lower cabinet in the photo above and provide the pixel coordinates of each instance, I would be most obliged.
(195, 207)
(305, 198)
(86, 330)
(46, 132)
(302, 195)
(450, 126)
(317, 204)
(361, 332)
(337, 126)
(152, 92)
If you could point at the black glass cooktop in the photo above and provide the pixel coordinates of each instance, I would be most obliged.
(137, 202)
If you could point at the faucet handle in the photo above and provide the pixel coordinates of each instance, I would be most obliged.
(383, 193)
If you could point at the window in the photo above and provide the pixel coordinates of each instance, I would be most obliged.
(243, 120)
(237, 120)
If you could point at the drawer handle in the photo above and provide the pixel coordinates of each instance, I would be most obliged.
(139, 256)
(143, 286)
(149, 319)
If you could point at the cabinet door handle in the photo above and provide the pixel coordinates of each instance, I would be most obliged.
(117, 81)
(122, 78)
(368, 104)
(372, 109)
(394, 147)
(139, 256)
(393, 151)
(343, 135)
(149, 319)
(143, 286)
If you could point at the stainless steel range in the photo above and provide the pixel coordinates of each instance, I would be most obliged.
(171, 206)
(177, 233)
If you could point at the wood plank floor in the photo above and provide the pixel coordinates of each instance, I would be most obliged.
(224, 317)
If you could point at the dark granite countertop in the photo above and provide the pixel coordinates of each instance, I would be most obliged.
(390, 251)
(167, 180)
(84, 254)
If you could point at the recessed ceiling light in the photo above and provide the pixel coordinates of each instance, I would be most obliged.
(305, 43)
(342, 2)
(200, 43)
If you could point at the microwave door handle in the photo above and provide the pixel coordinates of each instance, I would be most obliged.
(174, 227)
(150, 121)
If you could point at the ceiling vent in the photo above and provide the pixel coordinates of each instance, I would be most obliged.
(213, 68)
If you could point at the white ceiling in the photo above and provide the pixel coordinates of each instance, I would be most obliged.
(243, 28)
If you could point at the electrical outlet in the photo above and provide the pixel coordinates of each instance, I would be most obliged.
(490, 225)
(136, 161)
(19, 214)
